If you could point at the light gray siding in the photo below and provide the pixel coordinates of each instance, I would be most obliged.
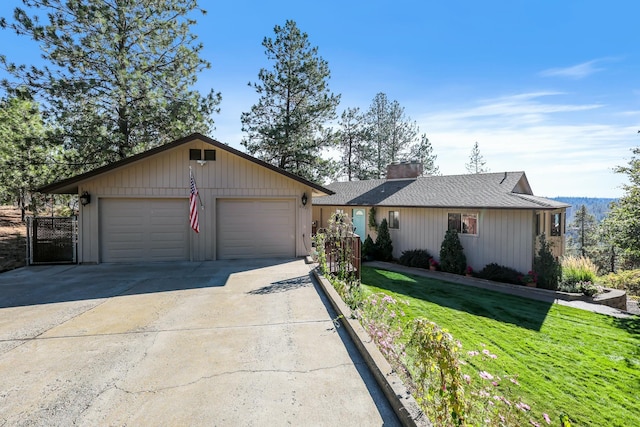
(166, 175)
(505, 236)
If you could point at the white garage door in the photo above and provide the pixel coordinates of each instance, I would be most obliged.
(144, 230)
(255, 228)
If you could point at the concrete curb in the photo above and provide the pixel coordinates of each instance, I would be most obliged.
(403, 404)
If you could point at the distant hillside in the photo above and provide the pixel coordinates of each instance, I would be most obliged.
(598, 207)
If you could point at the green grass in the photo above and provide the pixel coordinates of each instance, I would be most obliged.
(567, 360)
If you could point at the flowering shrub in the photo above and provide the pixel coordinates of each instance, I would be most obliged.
(433, 263)
(448, 387)
(468, 270)
(530, 277)
(380, 315)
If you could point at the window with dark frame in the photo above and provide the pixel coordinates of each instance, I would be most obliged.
(537, 224)
(195, 154)
(210, 155)
(556, 224)
(463, 223)
(394, 219)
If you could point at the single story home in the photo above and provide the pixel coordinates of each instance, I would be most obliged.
(496, 214)
(138, 209)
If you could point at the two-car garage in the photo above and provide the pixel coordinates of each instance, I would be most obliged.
(137, 209)
(157, 229)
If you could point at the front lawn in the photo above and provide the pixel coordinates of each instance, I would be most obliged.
(567, 361)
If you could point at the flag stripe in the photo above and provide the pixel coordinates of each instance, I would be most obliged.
(193, 206)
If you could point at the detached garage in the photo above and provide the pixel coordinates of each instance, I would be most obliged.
(138, 208)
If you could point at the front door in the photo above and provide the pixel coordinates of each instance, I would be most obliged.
(358, 219)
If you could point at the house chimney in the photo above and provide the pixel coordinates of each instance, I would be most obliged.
(404, 170)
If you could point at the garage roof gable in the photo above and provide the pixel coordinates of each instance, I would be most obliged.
(70, 185)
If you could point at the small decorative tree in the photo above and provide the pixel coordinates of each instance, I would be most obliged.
(384, 248)
(546, 266)
(452, 257)
(368, 249)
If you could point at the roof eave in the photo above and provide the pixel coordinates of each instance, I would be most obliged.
(70, 185)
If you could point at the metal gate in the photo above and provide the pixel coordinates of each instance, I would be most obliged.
(51, 240)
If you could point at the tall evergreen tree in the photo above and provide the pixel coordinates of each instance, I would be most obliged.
(583, 237)
(476, 161)
(392, 133)
(119, 73)
(286, 126)
(25, 158)
(423, 152)
(623, 221)
(353, 138)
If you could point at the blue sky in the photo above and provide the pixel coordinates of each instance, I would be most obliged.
(548, 87)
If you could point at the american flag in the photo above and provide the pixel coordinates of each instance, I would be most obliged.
(193, 207)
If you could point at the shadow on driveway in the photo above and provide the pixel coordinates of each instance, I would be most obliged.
(64, 283)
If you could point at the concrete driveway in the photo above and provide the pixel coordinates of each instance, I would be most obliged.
(213, 343)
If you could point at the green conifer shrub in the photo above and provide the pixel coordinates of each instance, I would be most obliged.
(546, 266)
(384, 247)
(452, 257)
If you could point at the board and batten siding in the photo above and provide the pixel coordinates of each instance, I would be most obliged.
(505, 236)
(166, 175)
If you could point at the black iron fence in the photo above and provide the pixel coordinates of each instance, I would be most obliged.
(51, 240)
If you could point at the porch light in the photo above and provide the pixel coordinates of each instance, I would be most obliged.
(85, 199)
(304, 199)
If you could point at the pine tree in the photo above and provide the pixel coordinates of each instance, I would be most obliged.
(24, 156)
(392, 133)
(423, 152)
(119, 74)
(584, 228)
(286, 126)
(353, 137)
(623, 221)
(476, 161)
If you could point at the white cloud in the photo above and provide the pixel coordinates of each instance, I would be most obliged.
(578, 71)
(560, 156)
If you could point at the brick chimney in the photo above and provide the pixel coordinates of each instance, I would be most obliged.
(404, 170)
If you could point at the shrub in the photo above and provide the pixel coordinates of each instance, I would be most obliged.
(452, 258)
(589, 288)
(500, 273)
(368, 249)
(415, 258)
(546, 265)
(628, 280)
(384, 248)
(578, 269)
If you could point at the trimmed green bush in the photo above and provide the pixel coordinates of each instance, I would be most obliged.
(384, 247)
(452, 257)
(500, 273)
(368, 249)
(546, 266)
(415, 258)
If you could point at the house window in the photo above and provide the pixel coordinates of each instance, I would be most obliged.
(538, 224)
(209, 154)
(195, 154)
(394, 219)
(556, 221)
(463, 223)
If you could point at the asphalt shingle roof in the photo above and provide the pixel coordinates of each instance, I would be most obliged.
(508, 190)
